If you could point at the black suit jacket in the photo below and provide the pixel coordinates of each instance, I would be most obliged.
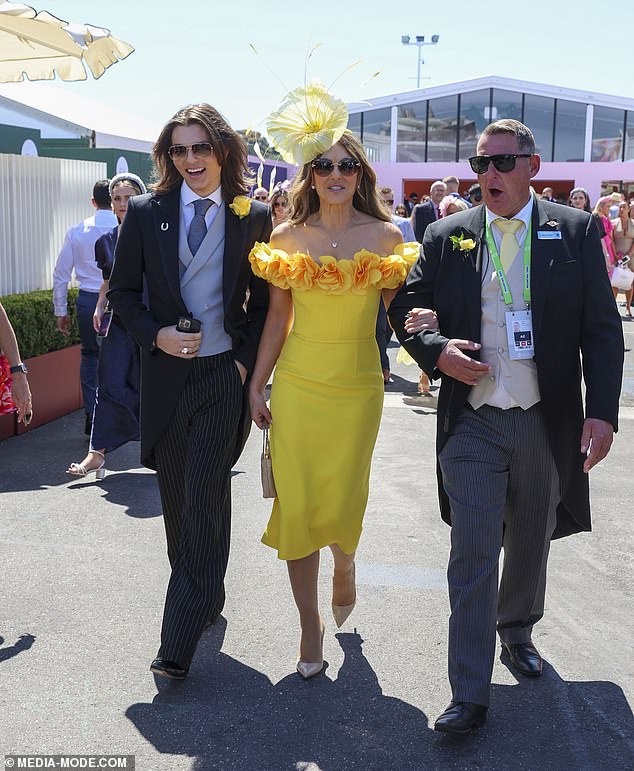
(422, 216)
(146, 258)
(574, 315)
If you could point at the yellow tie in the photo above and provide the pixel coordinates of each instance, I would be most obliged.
(510, 245)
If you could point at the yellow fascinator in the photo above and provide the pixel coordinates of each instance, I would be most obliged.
(309, 121)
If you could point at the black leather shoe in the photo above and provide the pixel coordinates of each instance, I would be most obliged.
(525, 658)
(460, 717)
(168, 669)
(217, 610)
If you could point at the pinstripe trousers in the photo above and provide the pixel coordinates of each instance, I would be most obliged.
(193, 464)
(499, 473)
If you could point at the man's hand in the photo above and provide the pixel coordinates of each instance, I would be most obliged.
(596, 440)
(460, 367)
(419, 319)
(21, 395)
(242, 370)
(184, 345)
(63, 325)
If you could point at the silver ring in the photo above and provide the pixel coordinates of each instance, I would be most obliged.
(184, 350)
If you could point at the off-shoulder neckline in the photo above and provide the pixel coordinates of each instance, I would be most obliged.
(338, 259)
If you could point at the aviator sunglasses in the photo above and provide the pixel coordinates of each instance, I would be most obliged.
(324, 166)
(505, 162)
(199, 149)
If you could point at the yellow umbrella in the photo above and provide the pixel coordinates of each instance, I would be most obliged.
(38, 45)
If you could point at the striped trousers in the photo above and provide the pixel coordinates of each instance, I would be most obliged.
(500, 476)
(193, 464)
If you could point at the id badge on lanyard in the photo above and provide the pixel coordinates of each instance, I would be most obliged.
(519, 333)
(519, 324)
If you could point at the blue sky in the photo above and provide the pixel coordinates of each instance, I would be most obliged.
(198, 50)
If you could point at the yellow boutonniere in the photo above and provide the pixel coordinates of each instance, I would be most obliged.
(462, 243)
(241, 205)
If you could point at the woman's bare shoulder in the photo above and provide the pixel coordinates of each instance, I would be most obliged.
(285, 237)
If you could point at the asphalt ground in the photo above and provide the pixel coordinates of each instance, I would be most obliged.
(83, 572)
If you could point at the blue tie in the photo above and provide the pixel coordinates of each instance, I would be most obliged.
(198, 227)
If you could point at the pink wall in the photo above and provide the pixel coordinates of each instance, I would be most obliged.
(588, 175)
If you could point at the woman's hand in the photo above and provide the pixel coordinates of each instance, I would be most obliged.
(98, 315)
(260, 413)
(420, 319)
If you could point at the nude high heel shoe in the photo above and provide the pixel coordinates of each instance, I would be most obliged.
(308, 669)
(79, 470)
(341, 612)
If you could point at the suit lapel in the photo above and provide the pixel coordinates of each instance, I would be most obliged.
(235, 243)
(471, 274)
(542, 256)
(166, 217)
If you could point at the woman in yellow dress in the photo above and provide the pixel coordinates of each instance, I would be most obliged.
(327, 267)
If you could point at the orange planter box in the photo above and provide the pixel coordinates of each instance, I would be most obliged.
(55, 386)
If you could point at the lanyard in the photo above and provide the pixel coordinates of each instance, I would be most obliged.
(497, 264)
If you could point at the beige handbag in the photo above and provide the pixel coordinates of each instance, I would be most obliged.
(268, 483)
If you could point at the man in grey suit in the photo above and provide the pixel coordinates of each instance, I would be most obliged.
(183, 286)
(520, 291)
(423, 214)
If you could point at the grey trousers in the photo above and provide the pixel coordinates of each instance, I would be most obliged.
(500, 476)
(193, 464)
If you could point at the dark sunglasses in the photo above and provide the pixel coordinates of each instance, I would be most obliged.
(324, 166)
(506, 162)
(199, 149)
(280, 204)
(261, 197)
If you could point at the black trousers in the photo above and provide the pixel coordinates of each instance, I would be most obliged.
(193, 464)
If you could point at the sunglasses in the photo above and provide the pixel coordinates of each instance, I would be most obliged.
(506, 162)
(199, 149)
(261, 197)
(279, 204)
(347, 166)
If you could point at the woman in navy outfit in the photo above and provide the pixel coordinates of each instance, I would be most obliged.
(115, 418)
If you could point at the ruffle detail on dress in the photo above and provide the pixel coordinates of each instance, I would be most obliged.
(367, 269)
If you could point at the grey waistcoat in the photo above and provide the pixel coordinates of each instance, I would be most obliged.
(201, 284)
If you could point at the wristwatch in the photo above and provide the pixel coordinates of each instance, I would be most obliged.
(21, 367)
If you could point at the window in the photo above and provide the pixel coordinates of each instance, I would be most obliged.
(629, 137)
(506, 104)
(376, 134)
(412, 121)
(354, 124)
(539, 113)
(607, 134)
(474, 116)
(570, 131)
(442, 129)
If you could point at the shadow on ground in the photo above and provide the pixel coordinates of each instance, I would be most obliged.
(227, 715)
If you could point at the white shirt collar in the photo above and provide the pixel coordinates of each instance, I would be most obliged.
(188, 196)
(523, 214)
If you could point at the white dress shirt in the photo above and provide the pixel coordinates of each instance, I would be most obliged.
(78, 255)
(187, 205)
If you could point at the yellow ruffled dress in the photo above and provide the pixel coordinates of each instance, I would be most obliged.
(327, 394)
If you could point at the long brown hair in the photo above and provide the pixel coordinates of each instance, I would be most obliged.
(229, 147)
(304, 201)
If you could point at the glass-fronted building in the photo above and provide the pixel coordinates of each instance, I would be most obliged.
(583, 138)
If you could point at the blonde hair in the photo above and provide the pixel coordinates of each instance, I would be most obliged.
(303, 198)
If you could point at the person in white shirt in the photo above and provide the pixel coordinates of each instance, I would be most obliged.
(78, 256)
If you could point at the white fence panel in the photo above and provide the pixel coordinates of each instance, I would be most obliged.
(40, 199)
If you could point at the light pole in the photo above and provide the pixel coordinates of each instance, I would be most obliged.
(419, 42)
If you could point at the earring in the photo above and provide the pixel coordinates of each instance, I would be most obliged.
(312, 187)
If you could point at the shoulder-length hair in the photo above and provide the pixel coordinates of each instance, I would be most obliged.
(229, 147)
(586, 207)
(304, 201)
